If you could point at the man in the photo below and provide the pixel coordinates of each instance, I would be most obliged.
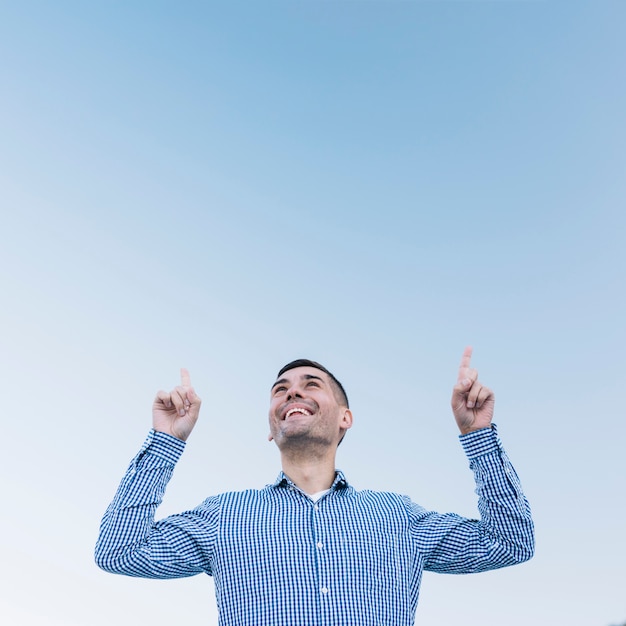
(310, 549)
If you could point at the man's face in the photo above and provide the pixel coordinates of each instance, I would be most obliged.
(304, 409)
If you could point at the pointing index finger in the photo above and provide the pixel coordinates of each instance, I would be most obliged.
(465, 362)
(185, 378)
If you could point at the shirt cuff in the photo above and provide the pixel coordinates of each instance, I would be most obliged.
(480, 442)
(163, 446)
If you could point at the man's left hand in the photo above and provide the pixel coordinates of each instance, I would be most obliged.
(472, 403)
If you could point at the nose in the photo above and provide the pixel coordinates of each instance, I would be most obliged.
(293, 392)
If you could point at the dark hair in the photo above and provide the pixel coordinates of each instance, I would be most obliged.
(340, 392)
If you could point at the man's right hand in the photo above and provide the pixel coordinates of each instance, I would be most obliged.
(176, 412)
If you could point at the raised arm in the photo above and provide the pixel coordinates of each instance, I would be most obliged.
(130, 541)
(504, 534)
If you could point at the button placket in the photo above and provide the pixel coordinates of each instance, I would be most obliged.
(320, 556)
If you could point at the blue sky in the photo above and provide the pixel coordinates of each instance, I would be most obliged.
(375, 185)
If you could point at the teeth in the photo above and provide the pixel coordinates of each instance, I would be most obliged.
(297, 410)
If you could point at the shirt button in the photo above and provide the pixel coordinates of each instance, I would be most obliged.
(316, 508)
(320, 544)
(324, 590)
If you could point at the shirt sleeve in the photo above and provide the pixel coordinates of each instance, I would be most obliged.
(132, 543)
(504, 534)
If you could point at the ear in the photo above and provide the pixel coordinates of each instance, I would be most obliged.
(270, 438)
(346, 419)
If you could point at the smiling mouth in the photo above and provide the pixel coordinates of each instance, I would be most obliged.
(291, 412)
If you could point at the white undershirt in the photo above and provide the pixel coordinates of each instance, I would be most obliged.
(316, 496)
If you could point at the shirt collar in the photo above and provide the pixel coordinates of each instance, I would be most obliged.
(284, 481)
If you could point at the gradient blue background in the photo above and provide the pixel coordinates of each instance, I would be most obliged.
(228, 186)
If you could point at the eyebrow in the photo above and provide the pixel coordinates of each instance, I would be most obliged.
(305, 376)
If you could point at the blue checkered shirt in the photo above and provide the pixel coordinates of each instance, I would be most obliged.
(280, 559)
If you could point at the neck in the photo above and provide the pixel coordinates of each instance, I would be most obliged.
(311, 473)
